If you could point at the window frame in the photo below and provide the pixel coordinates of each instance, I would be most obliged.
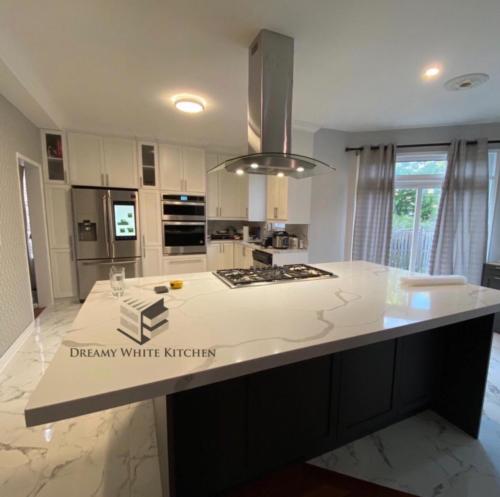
(419, 182)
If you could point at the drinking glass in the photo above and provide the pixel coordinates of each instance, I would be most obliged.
(117, 280)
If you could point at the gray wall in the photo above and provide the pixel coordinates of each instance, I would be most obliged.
(17, 134)
(329, 198)
(333, 196)
(424, 135)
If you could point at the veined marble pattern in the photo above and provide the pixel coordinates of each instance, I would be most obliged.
(106, 454)
(427, 456)
(113, 453)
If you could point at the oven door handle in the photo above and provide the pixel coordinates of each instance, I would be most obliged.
(180, 223)
(175, 202)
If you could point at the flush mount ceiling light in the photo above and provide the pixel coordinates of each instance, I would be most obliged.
(466, 81)
(432, 72)
(189, 104)
(240, 171)
(254, 165)
(280, 174)
(300, 169)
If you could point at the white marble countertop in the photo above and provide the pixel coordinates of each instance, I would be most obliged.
(250, 329)
(256, 246)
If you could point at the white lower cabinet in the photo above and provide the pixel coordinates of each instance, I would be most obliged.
(181, 264)
(63, 273)
(243, 257)
(152, 260)
(220, 255)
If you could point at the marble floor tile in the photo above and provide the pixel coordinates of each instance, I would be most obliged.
(427, 456)
(113, 453)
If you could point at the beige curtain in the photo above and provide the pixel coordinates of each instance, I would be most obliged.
(460, 237)
(374, 198)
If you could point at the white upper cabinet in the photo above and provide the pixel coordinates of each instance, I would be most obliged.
(86, 163)
(54, 157)
(120, 162)
(170, 168)
(148, 165)
(102, 161)
(277, 198)
(193, 160)
(227, 193)
(233, 194)
(182, 169)
(212, 188)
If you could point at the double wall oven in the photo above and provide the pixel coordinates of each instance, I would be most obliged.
(184, 228)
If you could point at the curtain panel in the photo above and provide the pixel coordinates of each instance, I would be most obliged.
(460, 237)
(374, 199)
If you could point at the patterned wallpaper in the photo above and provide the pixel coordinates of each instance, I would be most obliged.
(17, 134)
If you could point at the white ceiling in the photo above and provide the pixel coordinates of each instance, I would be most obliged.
(111, 66)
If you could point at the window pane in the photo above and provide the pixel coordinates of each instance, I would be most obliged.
(424, 235)
(437, 167)
(403, 220)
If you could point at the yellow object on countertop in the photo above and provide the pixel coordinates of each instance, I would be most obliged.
(176, 284)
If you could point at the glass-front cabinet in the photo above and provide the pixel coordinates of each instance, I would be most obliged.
(54, 156)
(148, 164)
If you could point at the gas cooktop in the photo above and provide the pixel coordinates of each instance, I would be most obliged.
(238, 278)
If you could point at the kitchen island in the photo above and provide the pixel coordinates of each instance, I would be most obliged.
(247, 380)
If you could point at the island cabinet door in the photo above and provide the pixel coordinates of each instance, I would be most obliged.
(290, 414)
(208, 428)
(366, 389)
(418, 370)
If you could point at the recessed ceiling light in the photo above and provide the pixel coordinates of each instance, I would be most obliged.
(189, 104)
(254, 165)
(240, 172)
(280, 174)
(466, 81)
(432, 72)
(300, 169)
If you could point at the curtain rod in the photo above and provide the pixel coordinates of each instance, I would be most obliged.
(445, 144)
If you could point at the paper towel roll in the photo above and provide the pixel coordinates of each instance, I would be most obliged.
(452, 279)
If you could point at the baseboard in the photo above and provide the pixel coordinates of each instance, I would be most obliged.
(16, 345)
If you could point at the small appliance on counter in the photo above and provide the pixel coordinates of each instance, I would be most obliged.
(293, 242)
(268, 242)
(221, 236)
(280, 240)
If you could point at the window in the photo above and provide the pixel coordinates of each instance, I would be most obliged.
(417, 193)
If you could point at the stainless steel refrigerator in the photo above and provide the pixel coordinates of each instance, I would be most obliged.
(106, 233)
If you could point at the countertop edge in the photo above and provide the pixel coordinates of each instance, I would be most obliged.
(76, 407)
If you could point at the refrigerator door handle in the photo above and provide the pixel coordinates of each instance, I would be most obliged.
(106, 225)
(110, 225)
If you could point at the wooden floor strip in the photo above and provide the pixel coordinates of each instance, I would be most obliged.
(306, 480)
(37, 311)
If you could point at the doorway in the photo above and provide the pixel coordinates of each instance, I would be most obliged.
(35, 231)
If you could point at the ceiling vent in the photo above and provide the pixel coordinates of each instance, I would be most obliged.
(466, 81)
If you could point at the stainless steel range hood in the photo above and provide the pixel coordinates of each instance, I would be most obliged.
(270, 89)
